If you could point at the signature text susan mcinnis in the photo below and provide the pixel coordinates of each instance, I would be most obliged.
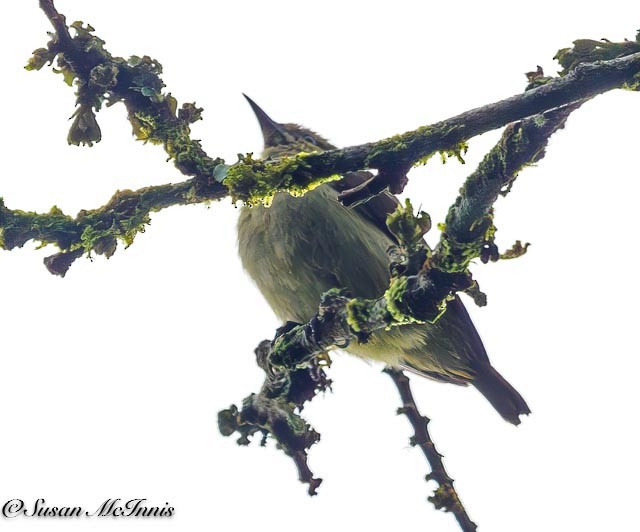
(109, 508)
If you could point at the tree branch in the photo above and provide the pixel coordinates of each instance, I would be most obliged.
(101, 78)
(422, 280)
(420, 286)
(96, 231)
(403, 151)
(445, 497)
(468, 229)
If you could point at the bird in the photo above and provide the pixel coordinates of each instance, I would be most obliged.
(300, 247)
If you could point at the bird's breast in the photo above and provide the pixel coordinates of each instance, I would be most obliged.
(299, 248)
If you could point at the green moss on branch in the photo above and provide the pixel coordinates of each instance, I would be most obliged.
(18, 227)
(590, 51)
(101, 78)
(469, 231)
(256, 181)
(97, 231)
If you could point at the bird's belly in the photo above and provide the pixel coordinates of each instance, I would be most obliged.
(301, 247)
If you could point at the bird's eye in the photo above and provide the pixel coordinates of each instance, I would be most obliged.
(310, 139)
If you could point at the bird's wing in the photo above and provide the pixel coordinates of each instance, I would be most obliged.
(377, 208)
(433, 375)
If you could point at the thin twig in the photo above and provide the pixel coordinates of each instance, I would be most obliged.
(57, 20)
(445, 497)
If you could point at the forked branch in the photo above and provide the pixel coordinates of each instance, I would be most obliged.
(422, 280)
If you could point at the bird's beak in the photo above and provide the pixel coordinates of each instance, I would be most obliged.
(270, 128)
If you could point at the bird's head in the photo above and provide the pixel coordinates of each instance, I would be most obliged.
(286, 139)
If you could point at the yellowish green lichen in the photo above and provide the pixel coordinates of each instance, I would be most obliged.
(17, 227)
(256, 181)
(150, 128)
(539, 120)
(456, 151)
(515, 251)
(455, 256)
(103, 241)
(633, 85)
(40, 57)
(590, 51)
(394, 297)
(358, 314)
(387, 151)
(407, 227)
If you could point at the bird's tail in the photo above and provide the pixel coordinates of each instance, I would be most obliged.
(502, 396)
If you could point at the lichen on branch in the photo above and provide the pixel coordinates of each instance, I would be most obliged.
(469, 231)
(103, 79)
(255, 181)
(590, 51)
(422, 281)
(96, 231)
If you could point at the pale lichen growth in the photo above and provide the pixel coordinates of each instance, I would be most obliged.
(256, 181)
(394, 296)
(358, 314)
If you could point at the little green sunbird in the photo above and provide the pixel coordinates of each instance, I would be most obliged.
(300, 247)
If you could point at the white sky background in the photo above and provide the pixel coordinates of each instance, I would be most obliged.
(112, 378)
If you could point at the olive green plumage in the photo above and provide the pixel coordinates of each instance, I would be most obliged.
(300, 247)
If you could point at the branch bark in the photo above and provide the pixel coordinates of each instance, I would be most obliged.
(154, 116)
(403, 151)
(468, 229)
(446, 497)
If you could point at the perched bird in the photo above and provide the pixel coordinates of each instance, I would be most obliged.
(300, 247)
